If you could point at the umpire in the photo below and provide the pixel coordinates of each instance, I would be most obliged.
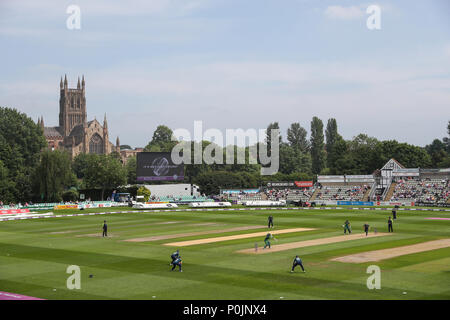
(366, 229)
(390, 229)
(105, 229)
(297, 262)
(270, 222)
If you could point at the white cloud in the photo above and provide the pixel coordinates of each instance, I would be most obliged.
(344, 13)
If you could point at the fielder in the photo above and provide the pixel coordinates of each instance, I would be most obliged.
(177, 262)
(174, 256)
(297, 262)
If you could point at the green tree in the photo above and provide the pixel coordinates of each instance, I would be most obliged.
(445, 163)
(192, 170)
(270, 127)
(143, 191)
(104, 172)
(54, 175)
(6, 185)
(437, 151)
(447, 139)
(131, 170)
(408, 155)
(71, 194)
(331, 135)
(235, 166)
(116, 155)
(21, 141)
(161, 141)
(211, 182)
(317, 145)
(296, 136)
(338, 157)
(79, 164)
(365, 155)
(293, 160)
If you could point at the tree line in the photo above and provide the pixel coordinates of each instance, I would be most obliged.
(325, 152)
(29, 171)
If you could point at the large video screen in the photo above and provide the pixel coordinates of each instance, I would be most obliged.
(158, 166)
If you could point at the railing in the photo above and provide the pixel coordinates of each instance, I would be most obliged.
(372, 191)
(386, 190)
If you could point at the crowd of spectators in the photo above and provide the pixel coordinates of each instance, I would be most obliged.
(422, 190)
(14, 205)
(177, 198)
(349, 193)
(289, 194)
(242, 196)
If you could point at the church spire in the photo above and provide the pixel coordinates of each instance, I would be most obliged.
(105, 123)
(42, 122)
(118, 145)
(78, 84)
(65, 82)
(82, 82)
(61, 84)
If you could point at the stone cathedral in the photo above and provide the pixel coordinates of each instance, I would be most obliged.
(75, 134)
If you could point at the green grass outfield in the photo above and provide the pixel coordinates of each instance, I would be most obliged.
(34, 256)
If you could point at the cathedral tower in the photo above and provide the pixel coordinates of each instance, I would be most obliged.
(72, 106)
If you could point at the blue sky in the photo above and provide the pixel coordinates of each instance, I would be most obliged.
(233, 64)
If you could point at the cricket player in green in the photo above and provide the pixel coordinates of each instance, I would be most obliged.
(347, 227)
(267, 240)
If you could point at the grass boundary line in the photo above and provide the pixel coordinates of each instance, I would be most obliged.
(217, 209)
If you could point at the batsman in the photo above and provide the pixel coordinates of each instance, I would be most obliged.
(267, 240)
(347, 227)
